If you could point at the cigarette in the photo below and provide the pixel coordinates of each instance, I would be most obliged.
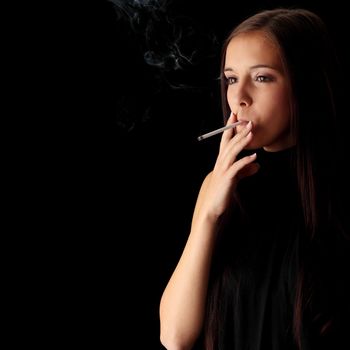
(218, 131)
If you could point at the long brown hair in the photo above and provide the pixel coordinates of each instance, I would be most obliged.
(309, 59)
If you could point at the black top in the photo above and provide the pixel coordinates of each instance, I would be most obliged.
(258, 263)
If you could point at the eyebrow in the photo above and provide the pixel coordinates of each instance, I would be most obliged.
(228, 69)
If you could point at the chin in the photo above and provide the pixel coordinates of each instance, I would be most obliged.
(253, 146)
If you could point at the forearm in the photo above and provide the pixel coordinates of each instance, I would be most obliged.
(182, 305)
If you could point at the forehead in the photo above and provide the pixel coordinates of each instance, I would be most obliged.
(253, 48)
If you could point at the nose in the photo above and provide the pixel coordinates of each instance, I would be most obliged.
(239, 97)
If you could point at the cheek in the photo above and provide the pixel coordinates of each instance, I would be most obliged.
(230, 101)
(277, 128)
(229, 96)
(279, 107)
(276, 113)
(281, 99)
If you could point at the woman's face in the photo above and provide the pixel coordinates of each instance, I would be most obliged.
(258, 90)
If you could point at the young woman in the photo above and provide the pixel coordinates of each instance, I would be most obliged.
(266, 262)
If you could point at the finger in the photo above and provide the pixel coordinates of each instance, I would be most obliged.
(230, 153)
(242, 133)
(229, 133)
(248, 170)
(244, 167)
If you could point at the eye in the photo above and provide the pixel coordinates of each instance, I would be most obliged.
(263, 79)
(231, 80)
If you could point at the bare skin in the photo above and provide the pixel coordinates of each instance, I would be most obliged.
(258, 89)
(260, 101)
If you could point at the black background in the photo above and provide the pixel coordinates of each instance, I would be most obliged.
(132, 166)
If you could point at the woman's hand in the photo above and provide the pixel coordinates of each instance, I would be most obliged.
(227, 171)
